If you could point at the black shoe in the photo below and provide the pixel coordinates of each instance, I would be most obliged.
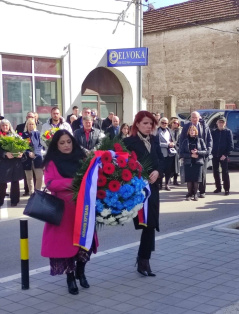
(176, 182)
(142, 266)
(188, 197)
(13, 204)
(83, 281)
(202, 195)
(217, 191)
(227, 193)
(167, 188)
(149, 271)
(26, 194)
(71, 283)
(195, 197)
(80, 274)
(6, 194)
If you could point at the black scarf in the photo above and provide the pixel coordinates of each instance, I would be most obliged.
(68, 164)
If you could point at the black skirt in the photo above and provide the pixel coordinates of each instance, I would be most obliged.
(193, 173)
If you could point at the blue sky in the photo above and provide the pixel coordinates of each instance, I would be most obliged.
(163, 3)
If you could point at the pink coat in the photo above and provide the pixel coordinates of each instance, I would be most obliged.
(57, 241)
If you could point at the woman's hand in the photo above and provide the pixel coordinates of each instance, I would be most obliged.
(194, 155)
(153, 176)
(171, 144)
(31, 155)
(9, 155)
(19, 155)
(194, 151)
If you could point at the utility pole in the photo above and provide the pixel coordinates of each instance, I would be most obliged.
(139, 43)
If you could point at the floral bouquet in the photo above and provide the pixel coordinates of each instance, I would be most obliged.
(47, 136)
(14, 143)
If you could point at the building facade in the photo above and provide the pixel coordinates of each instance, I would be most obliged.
(56, 54)
(193, 54)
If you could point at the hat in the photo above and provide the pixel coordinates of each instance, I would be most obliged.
(221, 118)
(1, 117)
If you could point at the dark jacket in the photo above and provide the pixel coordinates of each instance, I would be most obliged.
(204, 133)
(37, 147)
(10, 169)
(111, 132)
(94, 138)
(134, 143)
(20, 128)
(222, 142)
(77, 124)
(106, 123)
(185, 152)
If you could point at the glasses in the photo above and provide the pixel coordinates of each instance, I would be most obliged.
(175, 123)
(164, 122)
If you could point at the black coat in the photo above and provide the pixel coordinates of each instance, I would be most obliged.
(134, 143)
(111, 132)
(185, 152)
(10, 169)
(106, 123)
(20, 128)
(94, 138)
(222, 142)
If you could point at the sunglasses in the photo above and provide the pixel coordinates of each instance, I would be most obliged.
(164, 122)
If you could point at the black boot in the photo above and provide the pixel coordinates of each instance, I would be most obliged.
(149, 271)
(80, 274)
(142, 266)
(71, 282)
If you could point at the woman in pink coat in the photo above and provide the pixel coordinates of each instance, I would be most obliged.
(61, 163)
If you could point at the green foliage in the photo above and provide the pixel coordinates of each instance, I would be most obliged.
(14, 144)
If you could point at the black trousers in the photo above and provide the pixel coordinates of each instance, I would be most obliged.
(202, 185)
(14, 192)
(168, 169)
(147, 243)
(225, 174)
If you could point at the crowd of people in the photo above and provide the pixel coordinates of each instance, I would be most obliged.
(169, 147)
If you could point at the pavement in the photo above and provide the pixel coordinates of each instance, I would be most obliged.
(197, 272)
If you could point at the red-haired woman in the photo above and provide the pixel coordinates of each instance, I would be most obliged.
(146, 147)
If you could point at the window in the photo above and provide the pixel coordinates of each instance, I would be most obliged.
(30, 84)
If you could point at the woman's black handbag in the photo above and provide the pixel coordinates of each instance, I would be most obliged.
(45, 207)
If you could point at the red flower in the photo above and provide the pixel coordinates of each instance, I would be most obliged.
(133, 155)
(108, 168)
(114, 186)
(118, 147)
(20, 134)
(126, 175)
(2, 134)
(121, 161)
(139, 175)
(102, 180)
(48, 136)
(132, 164)
(106, 157)
(101, 194)
(139, 167)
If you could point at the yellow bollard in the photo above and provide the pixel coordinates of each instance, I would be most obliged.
(24, 253)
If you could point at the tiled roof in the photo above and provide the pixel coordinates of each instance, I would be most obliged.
(190, 13)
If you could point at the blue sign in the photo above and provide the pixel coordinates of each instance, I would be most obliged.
(127, 57)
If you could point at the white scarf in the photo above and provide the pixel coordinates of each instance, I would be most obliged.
(146, 141)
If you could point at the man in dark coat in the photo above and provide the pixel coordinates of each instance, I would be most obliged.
(77, 124)
(204, 133)
(87, 137)
(75, 111)
(114, 129)
(97, 122)
(108, 121)
(20, 127)
(222, 146)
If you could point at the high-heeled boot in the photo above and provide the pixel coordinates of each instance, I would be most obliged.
(141, 266)
(71, 283)
(149, 271)
(80, 274)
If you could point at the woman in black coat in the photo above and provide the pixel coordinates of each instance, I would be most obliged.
(11, 169)
(193, 151)
(147, 149)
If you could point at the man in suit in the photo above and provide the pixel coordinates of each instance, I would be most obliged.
(75, 111)
(107, 122)
(114, 129)
(204, 133)
(86, 112)
(20, 127)
(87, 137)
